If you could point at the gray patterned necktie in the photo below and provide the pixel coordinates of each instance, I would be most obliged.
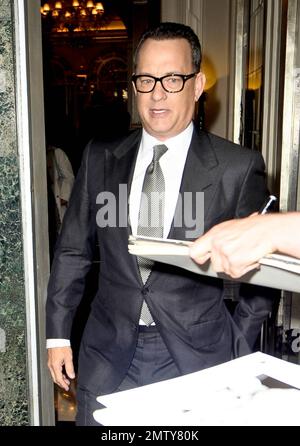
(151, 215)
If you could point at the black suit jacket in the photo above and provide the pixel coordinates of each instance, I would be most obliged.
(188, 309)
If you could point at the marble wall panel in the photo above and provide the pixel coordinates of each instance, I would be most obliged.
(13, 369)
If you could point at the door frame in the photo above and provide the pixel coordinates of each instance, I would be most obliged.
(34, 203)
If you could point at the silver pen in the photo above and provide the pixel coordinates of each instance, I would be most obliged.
(264, 209)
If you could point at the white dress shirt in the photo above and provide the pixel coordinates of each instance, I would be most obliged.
(172, 164)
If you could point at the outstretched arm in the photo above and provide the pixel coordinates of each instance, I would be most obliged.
(235, 246)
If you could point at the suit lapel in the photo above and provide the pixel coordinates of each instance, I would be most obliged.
(119, 168)
(199, 175)
(120, 162)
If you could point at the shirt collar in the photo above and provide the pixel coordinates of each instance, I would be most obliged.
(183, 139)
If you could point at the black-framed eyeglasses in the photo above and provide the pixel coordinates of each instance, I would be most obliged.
(171, 83)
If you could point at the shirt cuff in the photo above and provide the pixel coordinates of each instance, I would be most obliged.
(52, 343)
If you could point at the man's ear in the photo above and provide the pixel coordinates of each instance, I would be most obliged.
(199, 85)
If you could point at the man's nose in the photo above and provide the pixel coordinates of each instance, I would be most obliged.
(158, 92)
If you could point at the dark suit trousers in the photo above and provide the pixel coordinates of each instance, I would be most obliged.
(151, 363)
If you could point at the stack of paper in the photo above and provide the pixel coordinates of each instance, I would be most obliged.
(276, 270)
(251, 390)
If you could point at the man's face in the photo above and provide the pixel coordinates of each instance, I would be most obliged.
(164, 114)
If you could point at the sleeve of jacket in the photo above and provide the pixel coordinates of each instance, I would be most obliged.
(74, 254)
(255, 302)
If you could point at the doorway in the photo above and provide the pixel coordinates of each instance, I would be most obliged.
(87, 66)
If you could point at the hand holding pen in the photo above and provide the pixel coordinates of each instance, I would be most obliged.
(235, 246)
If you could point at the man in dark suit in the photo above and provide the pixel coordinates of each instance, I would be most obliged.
(191, 327)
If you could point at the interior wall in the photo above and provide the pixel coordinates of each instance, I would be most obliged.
(216, 63)
(210, 19)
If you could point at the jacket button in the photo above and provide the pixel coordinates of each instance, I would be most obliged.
(145, 290)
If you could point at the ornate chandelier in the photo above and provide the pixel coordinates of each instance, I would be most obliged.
(73, 15)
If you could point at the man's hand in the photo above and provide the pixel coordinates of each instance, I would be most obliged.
(60, 363)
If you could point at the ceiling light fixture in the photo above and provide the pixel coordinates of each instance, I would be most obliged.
(73, 15)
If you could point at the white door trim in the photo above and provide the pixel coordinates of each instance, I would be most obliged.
(33, 185)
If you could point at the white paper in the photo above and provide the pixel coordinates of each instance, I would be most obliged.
(228, 394)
